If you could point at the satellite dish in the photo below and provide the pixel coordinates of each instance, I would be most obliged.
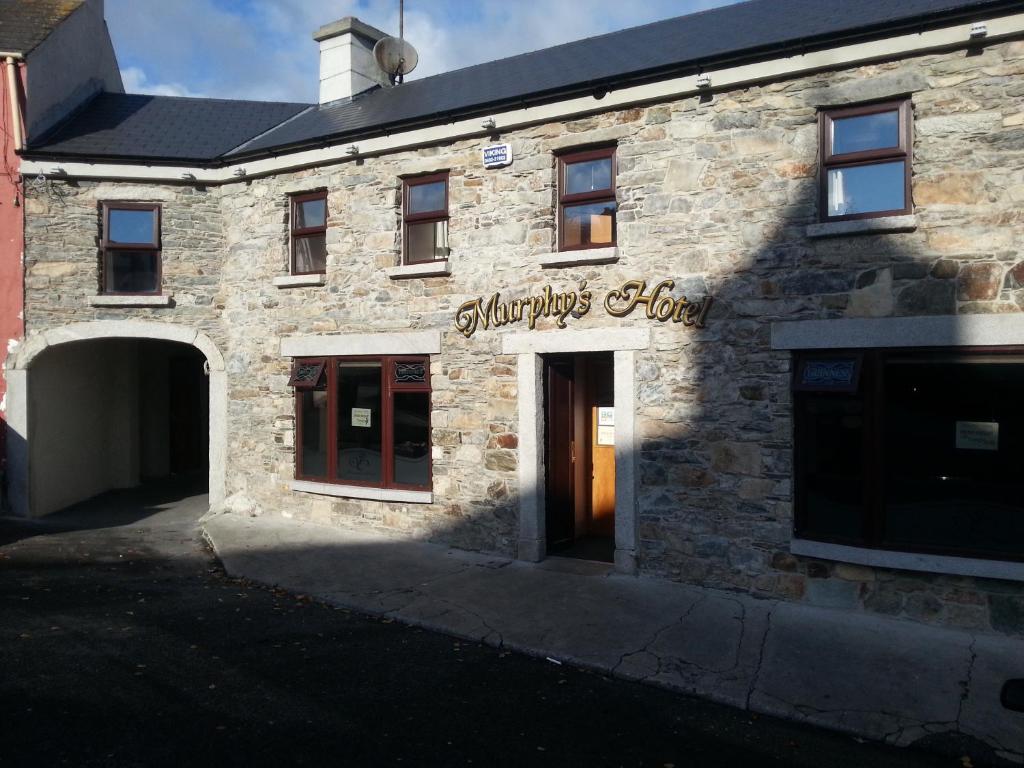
(396, 57)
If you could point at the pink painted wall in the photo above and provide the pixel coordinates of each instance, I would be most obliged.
(12, 289)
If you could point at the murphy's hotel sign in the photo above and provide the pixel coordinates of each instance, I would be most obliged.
(658, 305)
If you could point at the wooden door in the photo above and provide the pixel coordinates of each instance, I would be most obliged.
(601, 425)
(602, 494)
(560, 485)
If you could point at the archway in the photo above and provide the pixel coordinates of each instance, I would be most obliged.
(24, 411)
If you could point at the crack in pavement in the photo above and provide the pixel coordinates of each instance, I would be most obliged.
(760, 660)
(654, 638)
(966, 683)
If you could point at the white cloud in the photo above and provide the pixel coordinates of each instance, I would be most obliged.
(263, 49)
(137, 81)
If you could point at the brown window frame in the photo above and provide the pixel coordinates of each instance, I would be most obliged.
(305, 232)
(388, 388)
(424, 217)
(578, 198)
(107, 247)
(830, 161)
(872, 394)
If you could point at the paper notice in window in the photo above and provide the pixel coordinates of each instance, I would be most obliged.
(605, 416)
(977, 435)
(361, 417)
(600, 228)
(605, 435)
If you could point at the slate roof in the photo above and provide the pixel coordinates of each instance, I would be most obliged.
(169, 128)
(746, 31)
(24, 24)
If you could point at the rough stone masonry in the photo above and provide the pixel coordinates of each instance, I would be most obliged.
(716, 194)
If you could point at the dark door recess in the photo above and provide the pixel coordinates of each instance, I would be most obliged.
(560, 450)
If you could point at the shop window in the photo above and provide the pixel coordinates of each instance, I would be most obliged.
(911, 450)
(363, 421)
(866, 170)
(131, 249)
(425, 218)
(309, 233)
(586, 199)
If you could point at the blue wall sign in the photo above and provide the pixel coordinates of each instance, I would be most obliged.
(497, 155)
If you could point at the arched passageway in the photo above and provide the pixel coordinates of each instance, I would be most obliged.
(99, 406)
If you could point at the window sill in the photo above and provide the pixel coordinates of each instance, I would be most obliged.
(426, 269)
(877, 226)
(580, 258)
(300, 281)
(363, 492)
(909, 561)
(131, 301)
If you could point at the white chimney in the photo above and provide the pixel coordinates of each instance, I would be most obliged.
(347, 66)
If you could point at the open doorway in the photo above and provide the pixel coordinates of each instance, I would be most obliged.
(115, 414)
(579, 434)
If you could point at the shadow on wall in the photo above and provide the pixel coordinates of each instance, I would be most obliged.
(715, 462)
(11, 442)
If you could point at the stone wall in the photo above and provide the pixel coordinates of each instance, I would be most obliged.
(716, 194)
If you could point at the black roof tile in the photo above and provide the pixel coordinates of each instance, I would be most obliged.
(211, 130)
(170, 128)
(673, 44)
(24, 24)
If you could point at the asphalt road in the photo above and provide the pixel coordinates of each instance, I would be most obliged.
(122, 643)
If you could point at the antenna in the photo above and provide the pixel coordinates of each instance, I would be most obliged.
(393, 54)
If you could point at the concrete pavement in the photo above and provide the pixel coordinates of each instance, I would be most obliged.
(876, 677)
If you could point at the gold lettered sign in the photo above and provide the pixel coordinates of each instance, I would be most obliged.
(658, 304)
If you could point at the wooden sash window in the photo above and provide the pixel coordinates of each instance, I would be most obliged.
(131, 263)
(586, 199)
(363, 421)
(866, 170)
(425, 218)
(309, 233)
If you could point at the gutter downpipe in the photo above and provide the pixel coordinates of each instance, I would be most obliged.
(11, 60)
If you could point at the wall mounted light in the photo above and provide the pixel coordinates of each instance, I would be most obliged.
(352, 150)
(188, 176)
(979, 30)
(489, 124)
(704, 81)
(239, 172)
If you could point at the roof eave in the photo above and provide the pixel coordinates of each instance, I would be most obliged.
(694, 67)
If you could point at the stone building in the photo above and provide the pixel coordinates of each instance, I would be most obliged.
(56, 55)
(732, 299)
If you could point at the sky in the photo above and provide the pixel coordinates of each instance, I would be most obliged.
(264, 50)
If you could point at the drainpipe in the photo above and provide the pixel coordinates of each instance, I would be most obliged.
(12, 92)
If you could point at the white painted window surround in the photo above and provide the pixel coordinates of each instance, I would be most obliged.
(300, 281)
(909, 561)
(903, 332)
(384, 343)
(130, 301)
(896, 332)
(427, 269)
(363, 492)
(623, 342)
(580, 257)
(876, 226)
